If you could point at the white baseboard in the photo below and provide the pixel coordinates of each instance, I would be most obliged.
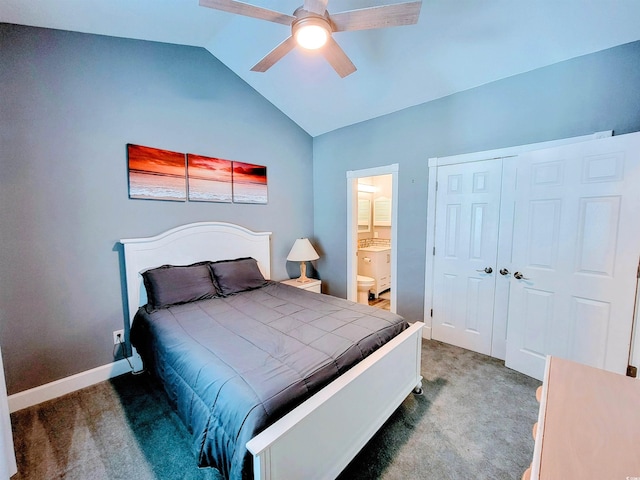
(66, 385)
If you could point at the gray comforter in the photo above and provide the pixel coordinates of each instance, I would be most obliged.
(232, 366)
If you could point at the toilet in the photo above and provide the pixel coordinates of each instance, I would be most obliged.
(364, 285)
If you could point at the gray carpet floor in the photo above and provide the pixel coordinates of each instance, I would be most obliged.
(473, 421)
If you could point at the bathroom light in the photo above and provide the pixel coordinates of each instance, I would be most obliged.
(302, 251)
(311, 32)
(366, 188)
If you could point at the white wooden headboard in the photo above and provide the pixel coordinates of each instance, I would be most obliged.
(188, 244)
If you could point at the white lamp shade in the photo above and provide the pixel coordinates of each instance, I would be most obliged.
(302, 251)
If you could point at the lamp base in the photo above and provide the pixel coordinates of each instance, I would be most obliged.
(303, 274)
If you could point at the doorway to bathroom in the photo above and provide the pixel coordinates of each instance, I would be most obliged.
(372, 236)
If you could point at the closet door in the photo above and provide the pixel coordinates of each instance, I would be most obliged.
(576, 251)
(466, 242)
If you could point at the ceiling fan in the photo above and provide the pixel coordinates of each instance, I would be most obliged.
(312, 26)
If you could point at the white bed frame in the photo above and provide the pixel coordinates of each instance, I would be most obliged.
(319, 438)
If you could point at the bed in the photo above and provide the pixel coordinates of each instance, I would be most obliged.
(269, 412)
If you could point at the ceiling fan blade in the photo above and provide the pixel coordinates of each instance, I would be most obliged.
(316, 6)
(247, 10)
(274, 55)
(377, 17)
(337, 58)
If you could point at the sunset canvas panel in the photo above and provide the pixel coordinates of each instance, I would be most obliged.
(156, 174)
(209, 179)
(249, 183)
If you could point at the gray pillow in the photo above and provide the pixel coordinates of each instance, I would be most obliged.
(233, 276)
(175, 284)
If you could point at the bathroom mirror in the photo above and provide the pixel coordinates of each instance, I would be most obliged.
(364, 214)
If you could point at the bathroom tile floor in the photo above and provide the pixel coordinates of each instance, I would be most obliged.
(383, 301)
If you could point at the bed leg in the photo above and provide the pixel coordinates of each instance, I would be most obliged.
(137, 366)
(418, 388)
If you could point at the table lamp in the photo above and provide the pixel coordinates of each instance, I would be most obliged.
(302, 251)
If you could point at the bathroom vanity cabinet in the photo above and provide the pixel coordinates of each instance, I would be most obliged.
(375, 262)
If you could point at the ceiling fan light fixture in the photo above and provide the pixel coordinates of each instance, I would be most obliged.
(311, 37)
(312, 27)
(311, 32)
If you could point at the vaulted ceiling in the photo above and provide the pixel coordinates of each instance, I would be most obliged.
(456, 45)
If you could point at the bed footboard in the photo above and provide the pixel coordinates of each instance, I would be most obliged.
(318, 439)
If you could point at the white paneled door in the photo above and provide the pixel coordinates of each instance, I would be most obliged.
(575, 248)
(466, 243)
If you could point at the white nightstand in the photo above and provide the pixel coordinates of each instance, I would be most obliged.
(313, 286)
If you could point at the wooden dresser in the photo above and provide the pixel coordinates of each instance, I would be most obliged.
(588, 426)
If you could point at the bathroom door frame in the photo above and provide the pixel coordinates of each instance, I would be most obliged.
(352, 228)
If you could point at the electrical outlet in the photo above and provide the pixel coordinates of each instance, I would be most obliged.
(118, 336)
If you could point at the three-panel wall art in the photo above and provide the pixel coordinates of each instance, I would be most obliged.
(156, 174)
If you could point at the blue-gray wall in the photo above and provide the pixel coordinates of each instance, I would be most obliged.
(578, 97)
(69, 104)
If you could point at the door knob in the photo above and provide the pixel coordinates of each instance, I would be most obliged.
(504, 271)
(520, 276)
(486, 270)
